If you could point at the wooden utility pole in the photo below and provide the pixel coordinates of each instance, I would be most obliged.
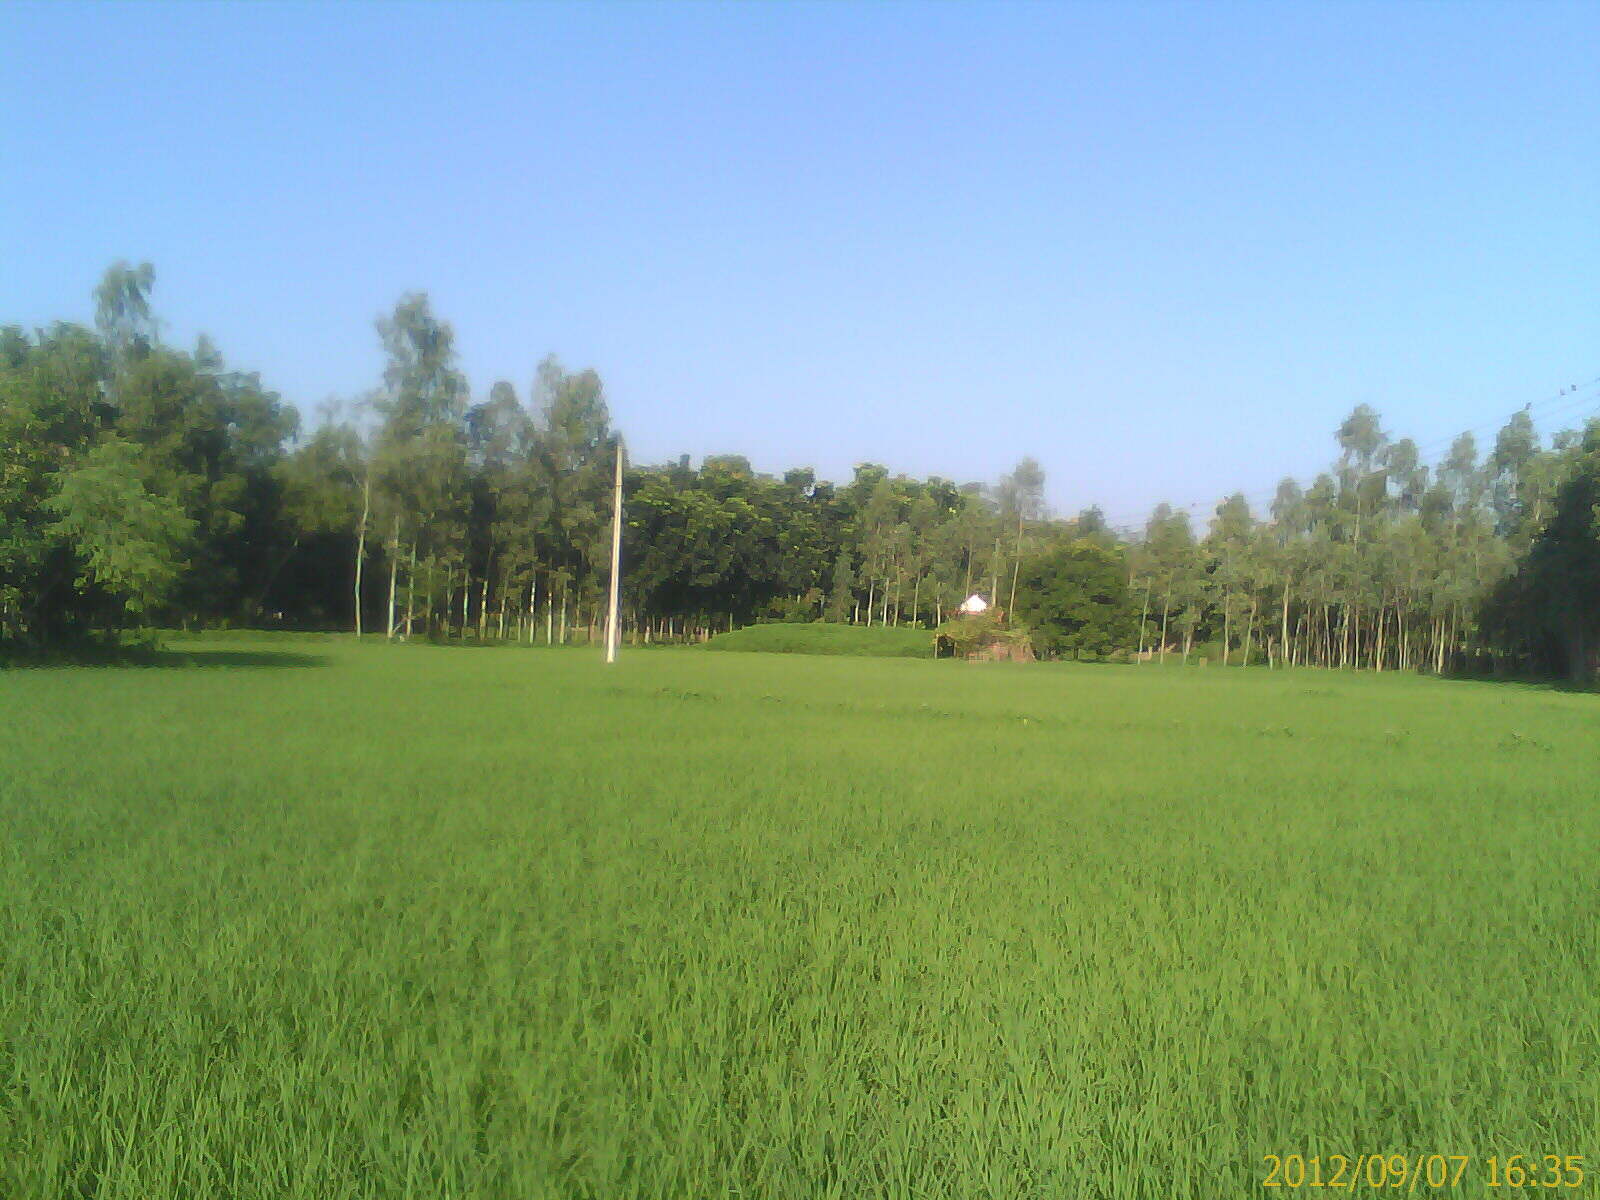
(612, 628)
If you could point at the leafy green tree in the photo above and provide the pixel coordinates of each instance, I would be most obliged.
(1021, 497)
(51, 407)
(491, 512)
(842, 597)
(419, 457)
(128, 539)
(575, 430)
(1076, 601)
(325, 488)
(1552, 603)
(122, 311)
(1231, 543)
(1167, 563)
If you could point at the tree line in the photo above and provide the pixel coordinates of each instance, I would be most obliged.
(141, 484)
(1483, 562)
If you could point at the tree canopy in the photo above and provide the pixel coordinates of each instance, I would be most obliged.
(144, 483)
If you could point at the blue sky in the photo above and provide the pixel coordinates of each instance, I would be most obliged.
(1163, 248)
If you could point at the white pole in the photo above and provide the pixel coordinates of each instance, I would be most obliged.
(616, 561)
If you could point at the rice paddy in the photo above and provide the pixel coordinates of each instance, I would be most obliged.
(336, 920)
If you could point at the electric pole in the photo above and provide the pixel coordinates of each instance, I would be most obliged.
(612, 626)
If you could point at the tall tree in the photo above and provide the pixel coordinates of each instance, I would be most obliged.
(1021, 499)
(419, 456)
(128, 538)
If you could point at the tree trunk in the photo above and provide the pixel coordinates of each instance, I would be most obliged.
(394, 568)
(1284, 650)
(1016, 566)
(411, 592)
(1144, 617)
(361, 546)
(1166, 610)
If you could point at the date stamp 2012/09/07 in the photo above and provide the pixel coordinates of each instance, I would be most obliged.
(1413, 1172)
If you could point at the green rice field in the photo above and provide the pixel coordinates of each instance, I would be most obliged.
(328, 920)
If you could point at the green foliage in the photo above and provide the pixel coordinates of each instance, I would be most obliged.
(1075, 599)
(51, 406)
(442, 517)
(208, 442)
(821, 637)
(844, 586)
(962, 636)
(122, 310)
(128, 539)
(420, 451)
(1552, 604)
(709, 925)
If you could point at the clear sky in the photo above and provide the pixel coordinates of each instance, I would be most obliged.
(1163, 248)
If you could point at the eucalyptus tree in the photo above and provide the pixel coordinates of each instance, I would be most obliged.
(574, 426)
(1521, 482)
(878, 518)
(122, 314)
(1168, 559)
(500, 464)
(1291, 524)
(1229, 544)
(419, 453)
(1021, 496)
(921, 547)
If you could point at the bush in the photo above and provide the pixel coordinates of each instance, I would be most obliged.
(962, 636)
